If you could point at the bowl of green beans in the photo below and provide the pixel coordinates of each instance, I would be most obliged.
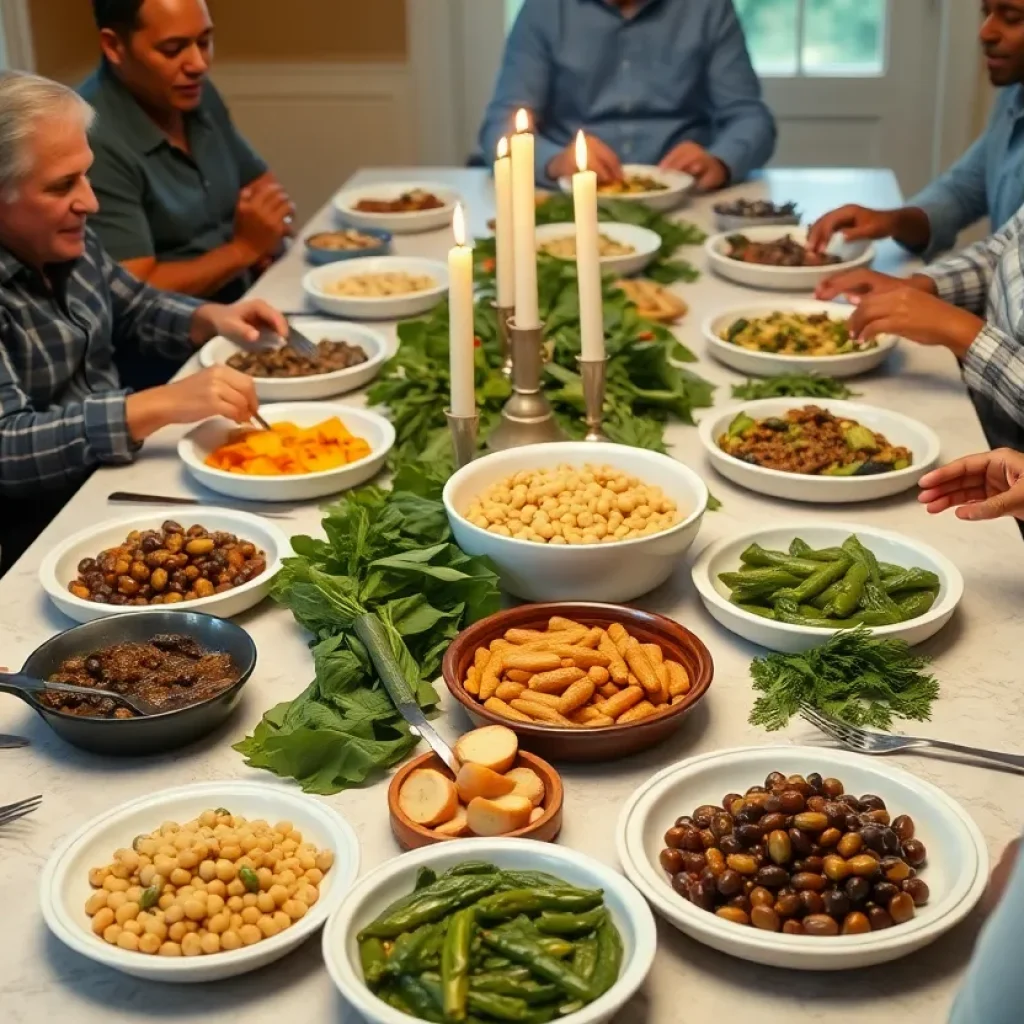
(788, 588)
(490, 930)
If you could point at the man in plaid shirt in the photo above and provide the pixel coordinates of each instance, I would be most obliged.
(64, 308)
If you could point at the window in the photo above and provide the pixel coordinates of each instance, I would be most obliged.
(815, 37)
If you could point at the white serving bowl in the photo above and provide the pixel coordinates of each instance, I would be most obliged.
(382, 886)
(396, 307)
(397, 223)
(956, 870)
(767, 364)
(64, 886)
(755, 275)
(678, 186)
(922, 441)
(782, 636)
(322, 385)
(204, 438)
(615, 572)
(60, 564)
(645, 243)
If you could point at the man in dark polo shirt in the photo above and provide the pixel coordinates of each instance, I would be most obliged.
(185, 203)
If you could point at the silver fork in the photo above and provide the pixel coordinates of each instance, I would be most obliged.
(871, 741)
(12, 812)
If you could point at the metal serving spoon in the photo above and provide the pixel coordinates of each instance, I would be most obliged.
(20, 684)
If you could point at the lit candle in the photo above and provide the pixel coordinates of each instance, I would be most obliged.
(588, 259)
(524, 216)
(503, 227)
(460, 317)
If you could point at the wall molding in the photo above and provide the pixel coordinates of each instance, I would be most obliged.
(253, 78)
(959, 91)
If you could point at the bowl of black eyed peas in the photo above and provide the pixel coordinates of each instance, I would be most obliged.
(199, 883)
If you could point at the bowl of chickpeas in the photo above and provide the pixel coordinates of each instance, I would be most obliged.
(201, 882)
(577, 519)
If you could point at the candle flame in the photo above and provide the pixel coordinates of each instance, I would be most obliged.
(522, 121)
(581, 150)
(459, 225)
(502, 148)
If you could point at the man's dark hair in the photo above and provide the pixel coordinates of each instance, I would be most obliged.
(120, 15)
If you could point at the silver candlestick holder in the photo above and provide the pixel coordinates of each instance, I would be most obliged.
(593, 372)
(504, 314)
(527, 417)
(463, 430)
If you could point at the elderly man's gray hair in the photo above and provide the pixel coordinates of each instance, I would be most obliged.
(25, 99)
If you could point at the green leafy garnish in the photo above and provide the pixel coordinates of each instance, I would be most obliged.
(853, 676)
(792, 385)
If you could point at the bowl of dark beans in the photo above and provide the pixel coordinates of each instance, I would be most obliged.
(802, 857)
(745, 213)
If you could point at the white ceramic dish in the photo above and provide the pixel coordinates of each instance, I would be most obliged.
(679, 186)
(613, 572)
(209, 435)
(396, 877)
(767, 364)
(781, 636)
(956, 870)
(755, 275)
(397, 223)
(733, 222)
(922, 441)
(645, 244)
(64, 886)
(396, 307)
(322, 385)
(60, 564)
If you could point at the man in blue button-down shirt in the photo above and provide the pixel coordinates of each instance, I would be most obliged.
(988, 180)
(650, 81)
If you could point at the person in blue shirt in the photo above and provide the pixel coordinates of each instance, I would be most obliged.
(988, 180)
(649, 81)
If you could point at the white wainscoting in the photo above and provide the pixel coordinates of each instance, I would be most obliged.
(316, 123)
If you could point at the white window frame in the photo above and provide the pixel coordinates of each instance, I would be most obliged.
(16, 36)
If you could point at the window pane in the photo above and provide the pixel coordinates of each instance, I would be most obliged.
(771, 28)
(512, 12)
(844, 37)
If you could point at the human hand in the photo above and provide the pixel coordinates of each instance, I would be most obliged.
(979, 487)
(914, 314)
(869, 282)
(690, 158)
(241, 322)
(601, 158)
(855, 222)
(264, 217)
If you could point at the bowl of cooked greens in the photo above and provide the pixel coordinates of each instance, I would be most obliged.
(793, 336)
(828, 451)
(788, 588)
(623, 249)
(654, 187)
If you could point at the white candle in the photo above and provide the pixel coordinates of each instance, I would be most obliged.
(588, 260)
(460, 328)
(524, 216)
(503, 227)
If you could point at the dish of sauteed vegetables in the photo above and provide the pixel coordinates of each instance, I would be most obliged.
(780, 252)
(812, 442)
(829, 588)
(795, 334)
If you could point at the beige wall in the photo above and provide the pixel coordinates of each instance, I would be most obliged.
(63, 38)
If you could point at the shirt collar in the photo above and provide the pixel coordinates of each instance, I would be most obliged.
(10, 265)
(642, 7)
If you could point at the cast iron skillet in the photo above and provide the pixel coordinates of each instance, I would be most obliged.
(154, 733)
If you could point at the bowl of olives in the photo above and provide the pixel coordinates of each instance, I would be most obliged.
(802, 857)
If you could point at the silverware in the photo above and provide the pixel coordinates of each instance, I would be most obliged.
(131, 498)
(12, 742)
(12, 812)
(871, 741)
(301, 343)
(261, 421)
(18, 683)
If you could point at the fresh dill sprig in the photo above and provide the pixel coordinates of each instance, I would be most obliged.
(792, 385)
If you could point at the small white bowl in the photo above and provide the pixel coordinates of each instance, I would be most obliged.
(614, 572)
(956, 870)
(734, 223)
(756, 275)
(767, 364)
(394, 307)
(678, 187)
(60, 564)
(397, 223)
(322, 385)
(64, 886)
(645, 243)
(922, 441)
(782, 636)
(203, 439)
(397, 876)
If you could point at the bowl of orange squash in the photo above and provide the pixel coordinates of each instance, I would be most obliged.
(313, 449)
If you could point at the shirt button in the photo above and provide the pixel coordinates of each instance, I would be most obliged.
(206, 183)
(625, 65)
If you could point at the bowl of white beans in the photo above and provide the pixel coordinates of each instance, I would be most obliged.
(576, 519)
(377, 287)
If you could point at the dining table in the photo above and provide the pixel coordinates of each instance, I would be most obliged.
(976, 657)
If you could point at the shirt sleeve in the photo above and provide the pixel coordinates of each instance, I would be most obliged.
(745, 132)
(121, 222)
(250, 164)
(524, 81)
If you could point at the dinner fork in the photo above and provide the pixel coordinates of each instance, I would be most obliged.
(871, 741)
(302, 344)
(12, 812)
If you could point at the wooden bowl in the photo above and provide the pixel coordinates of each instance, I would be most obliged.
(613, 741)
(411, 836)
